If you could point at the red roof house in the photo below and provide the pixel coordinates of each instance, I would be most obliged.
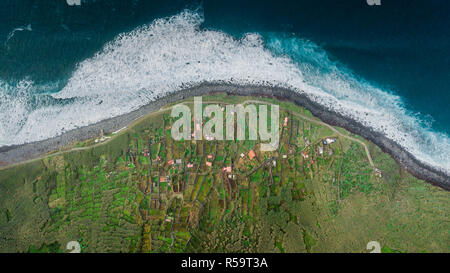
(251, 154)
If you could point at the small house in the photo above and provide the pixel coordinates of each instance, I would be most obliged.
(251, 154)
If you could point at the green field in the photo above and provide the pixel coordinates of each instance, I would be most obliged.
(122, 195)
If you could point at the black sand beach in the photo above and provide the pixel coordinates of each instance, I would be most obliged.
(18, 153)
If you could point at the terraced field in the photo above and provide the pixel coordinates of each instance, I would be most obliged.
(138, 190)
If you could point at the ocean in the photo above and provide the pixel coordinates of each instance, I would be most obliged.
(386, 66)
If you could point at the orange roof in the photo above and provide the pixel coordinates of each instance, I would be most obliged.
(170, 162)
(251, 154)
(209, 164)
(162, 179)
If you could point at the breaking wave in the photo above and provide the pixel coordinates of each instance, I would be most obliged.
(174, 53)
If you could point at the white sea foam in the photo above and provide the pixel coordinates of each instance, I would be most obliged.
(174, 52)
(11, 34)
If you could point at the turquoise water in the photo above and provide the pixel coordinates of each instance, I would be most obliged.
(386, 66)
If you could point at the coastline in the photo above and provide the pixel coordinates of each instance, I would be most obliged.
(16, 154)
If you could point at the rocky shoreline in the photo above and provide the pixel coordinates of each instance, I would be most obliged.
(19, 153)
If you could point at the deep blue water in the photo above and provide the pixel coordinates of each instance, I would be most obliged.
(401, 47)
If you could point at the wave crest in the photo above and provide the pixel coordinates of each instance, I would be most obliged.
(174, 53)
